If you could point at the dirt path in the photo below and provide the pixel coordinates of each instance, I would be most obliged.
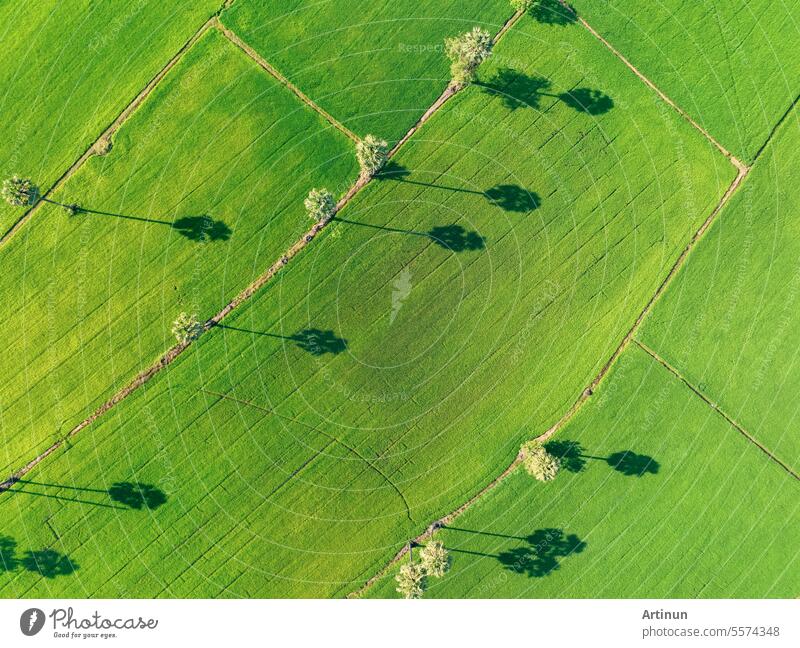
(145, 375)
(108, 133)
(734, 160)
(715, 407)
(250, 52)
(585, 394)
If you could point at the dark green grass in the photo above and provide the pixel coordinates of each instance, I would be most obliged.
(696, 510)
(375, 65)
(530, 235)
(69, 68)
(730, 322)
(733, 65)
(89, 299)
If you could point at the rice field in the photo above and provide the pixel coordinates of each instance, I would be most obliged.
(455, 308)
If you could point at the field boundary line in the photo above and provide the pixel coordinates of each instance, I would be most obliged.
(110, 130)
(584, 396)
(273, 71)
(173, 352)
(663, 96)
(714, 406)
(330, 437)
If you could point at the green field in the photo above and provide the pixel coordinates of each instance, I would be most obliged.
(696, 511)
(730, 323)
(376, 66)
(462, 302)
(69, 68)
(733, 65)
(192, 203)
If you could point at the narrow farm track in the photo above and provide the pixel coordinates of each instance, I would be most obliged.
(734, 160)
(108, 133)
(715, 407)
(145, 375)
(743, 171)
(250, 52)
(584, 396)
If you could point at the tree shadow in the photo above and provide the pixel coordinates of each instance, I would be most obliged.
(131, 494)
(318, 342)
(569, 452)
(456, 239)
(200, 229)
(587, 100)
(136, 495)
(632, 464)
(48, 563)
(552, 12)
(629, 463)
(312, 340)
(542, 554)
(8, 554)
(513, 198)
(506, 196)
(517, 90)
(451, 237)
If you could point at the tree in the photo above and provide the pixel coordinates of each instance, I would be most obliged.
(320, 204)
(539, 462)
(466, 53)
(411, 580)
(522, 5)
(372, 154)
(186, 328)
(435, 559)
(20, 192)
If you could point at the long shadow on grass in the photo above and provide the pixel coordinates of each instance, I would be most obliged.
(508, 197)
(540, 554)
(46, 562)
(552, 12)
(454, 238)
(629, 463)
(132, 495)
(314, 341)
(201, 229)
(519, 90)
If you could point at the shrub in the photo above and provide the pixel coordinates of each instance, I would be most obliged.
(435, 559)
(539, 462)
(186, 328)
(522, 5)
(411, 580)
(372, 154)
(19, 192)
(320, 204)
(466, 53)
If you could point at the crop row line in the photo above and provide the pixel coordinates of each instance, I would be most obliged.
(171, 354)
(109, 132)
(714, 406)
(584, 396)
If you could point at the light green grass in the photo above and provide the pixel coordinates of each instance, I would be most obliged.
(89, 299)
(704, 513)
(730, 322)
(581, 217)
(375, 65)
(733, 65)
(68, 69)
